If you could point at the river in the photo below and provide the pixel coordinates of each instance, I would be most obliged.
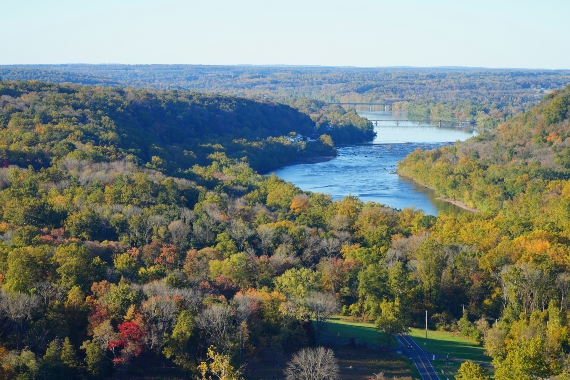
(368, 171)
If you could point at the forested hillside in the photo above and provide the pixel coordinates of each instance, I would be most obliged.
(518, 176)
(168, 131)
(495, 171)
(113, 263)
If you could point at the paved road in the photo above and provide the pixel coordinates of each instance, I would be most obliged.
(419, 356)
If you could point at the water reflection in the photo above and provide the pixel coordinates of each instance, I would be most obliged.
(387, 131)
(368, 171)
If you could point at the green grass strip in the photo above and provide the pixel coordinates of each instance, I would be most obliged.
(444, 343)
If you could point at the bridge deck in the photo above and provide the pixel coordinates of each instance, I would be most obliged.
(426, 120)
(388, 102)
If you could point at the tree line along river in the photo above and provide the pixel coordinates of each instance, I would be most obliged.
(368, 171)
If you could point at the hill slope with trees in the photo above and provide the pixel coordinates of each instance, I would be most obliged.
(518, 176)
(112, 267)
(165, 130)
(494, 170)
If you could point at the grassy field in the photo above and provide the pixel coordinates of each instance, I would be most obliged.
(360, 364)
(443, 343)
(355, 362)
(449, 368)
(342, 330)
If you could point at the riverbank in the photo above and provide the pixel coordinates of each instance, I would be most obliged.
(302, 160)
(447, 200)
(315, 160)
(459, 204)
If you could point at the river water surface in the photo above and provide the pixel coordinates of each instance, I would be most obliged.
(368, 171)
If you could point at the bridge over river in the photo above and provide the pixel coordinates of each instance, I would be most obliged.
(389, 102)
(440, 122)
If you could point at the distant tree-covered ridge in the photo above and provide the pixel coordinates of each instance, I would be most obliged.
(487, 95)
(168, 131)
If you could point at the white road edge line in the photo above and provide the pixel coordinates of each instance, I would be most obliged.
(425, 353)
(413, 361)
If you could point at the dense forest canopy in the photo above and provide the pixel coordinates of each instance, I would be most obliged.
(165, 130)
(494, 170)
(518, 175)
(98, 280)
(135, 238)
(486, 95)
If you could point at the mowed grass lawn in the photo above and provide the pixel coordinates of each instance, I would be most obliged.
(361, 363)
(447, 369)
(341, 329)
(443, 343)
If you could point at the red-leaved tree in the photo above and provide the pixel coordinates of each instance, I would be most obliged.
(129, 344)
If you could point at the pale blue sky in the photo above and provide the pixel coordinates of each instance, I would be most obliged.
(486, 33)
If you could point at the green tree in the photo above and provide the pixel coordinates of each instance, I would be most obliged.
(391, 321)
(239, 270)
(26, 211)
(297, 283)
(119, 298)
(69, 355)
(399, 280)
(85, 224)
(177, 344)
(25, 236)
(27, 365)
(372, 288)
(495, 342)
(26, 266)
(97, 363)
(468, 328)
(525, 360)
(281, 194)
(73, 265)
(226, 245)
(76, 310)
(52, 366)
(125, 265)
(471, 371)
(431, 259)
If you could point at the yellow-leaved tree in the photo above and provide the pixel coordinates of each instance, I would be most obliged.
(218, 367)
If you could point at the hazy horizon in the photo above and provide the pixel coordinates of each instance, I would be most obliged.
(330, 33)
(283, 65)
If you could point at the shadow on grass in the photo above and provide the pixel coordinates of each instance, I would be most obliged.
(442, 343)
(342, 330)
(361, 364)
